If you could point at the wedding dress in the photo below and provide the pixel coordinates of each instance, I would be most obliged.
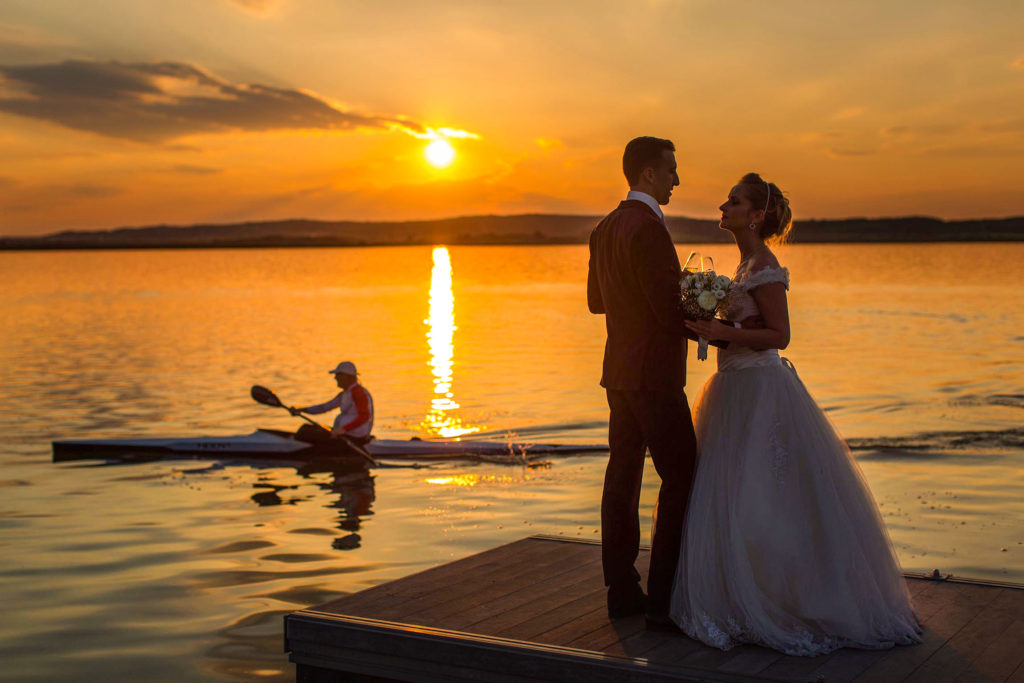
(783, 546)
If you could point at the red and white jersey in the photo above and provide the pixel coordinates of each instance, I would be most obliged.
(356, 406)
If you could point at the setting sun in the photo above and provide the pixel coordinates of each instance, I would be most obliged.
(439, 153)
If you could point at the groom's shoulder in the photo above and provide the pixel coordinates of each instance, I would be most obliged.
(631, 212)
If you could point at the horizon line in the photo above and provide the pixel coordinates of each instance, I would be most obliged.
(479, 215)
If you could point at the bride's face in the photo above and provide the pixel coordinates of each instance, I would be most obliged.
(737, 212)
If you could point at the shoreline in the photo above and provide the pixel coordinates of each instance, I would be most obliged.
(323, 244)
(517, 230)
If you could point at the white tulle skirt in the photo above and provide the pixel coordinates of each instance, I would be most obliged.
(784, 545)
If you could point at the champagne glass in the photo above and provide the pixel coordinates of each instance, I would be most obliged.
(707, 263)
(693, 263)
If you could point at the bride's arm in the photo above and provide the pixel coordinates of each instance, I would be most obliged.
(771, 300)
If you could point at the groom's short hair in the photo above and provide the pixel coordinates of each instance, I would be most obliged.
(643, 152)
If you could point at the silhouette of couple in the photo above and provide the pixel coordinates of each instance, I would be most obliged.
(770, 536)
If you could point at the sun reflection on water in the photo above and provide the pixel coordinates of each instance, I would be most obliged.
(471, 480)
(438, 422)
(455, 480)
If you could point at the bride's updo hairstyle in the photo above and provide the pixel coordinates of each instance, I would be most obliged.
(777, 216)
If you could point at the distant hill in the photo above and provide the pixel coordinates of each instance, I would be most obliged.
(522, 229)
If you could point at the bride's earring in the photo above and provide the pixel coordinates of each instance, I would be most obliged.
(753, 226)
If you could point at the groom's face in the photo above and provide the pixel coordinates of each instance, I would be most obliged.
(664, 177)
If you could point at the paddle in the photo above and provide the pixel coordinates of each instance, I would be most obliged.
(269, 398)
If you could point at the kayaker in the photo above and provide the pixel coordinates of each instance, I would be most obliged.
(355, 420)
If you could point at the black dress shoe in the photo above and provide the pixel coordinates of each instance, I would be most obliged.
(625, 600)
(661, 623)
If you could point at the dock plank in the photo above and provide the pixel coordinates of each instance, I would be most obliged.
(674, 650)
(442, 596)
(846, 664)
(581, 615)
(526, 599)
(497, 560)
(608, 634)
(750, 662)
(535, 610)
(392, 589)
(471, 600)
(959, 652)
(1000, 659)
(963, 603)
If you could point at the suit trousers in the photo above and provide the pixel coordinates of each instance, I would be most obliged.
(660, 422)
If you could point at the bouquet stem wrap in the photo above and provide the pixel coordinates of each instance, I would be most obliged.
(702, 349)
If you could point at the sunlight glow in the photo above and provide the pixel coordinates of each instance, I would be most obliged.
(470, 480)
(455, 480)
(439, 153)
(442, 350)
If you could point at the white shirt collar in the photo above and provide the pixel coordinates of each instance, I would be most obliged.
(648, 200)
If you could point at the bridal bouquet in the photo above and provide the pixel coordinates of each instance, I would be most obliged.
(705, 294)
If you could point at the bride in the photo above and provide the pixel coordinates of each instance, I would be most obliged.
(783, 544)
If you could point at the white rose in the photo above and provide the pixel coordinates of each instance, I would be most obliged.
(707, 300)
(722, 282)
(719, 294)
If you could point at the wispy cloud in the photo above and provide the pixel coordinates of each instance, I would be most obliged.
(26, 199)
(852, 151)
(549, 143)
(439, 133)
(907, 131)
(193, 169)
(160, 101)
(1004, 126)
(260, 7)
(87, 190)
(20, 35)
(848, 113)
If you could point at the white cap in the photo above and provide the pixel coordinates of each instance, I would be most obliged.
(344, 368)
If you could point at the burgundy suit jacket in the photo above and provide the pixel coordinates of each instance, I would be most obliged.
(634, 281)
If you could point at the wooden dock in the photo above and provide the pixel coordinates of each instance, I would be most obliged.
(534, 610)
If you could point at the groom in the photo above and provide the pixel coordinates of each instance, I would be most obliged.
(634, 281)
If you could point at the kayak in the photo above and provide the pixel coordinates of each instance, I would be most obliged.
(277, 445)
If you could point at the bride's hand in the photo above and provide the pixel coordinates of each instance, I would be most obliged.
(711, 330)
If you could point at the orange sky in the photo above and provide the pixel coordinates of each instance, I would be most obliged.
(137, 112)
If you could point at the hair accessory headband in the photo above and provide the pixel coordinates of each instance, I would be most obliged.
(769, 198)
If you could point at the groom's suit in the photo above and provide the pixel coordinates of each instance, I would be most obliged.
(634, 281)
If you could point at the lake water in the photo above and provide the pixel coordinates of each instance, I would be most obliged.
(181, 570)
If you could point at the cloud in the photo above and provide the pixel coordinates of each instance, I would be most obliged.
(28, 199)
(852, 151)
(261, 7)
(821, 136)
(1005, 126)
(848, 113)
(917, 130)
(22, 36)
(86, 191)
(193, 169)
(159, 101)
(407, 201)
(968, 150)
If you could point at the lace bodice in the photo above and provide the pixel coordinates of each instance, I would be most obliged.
(743, 304)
